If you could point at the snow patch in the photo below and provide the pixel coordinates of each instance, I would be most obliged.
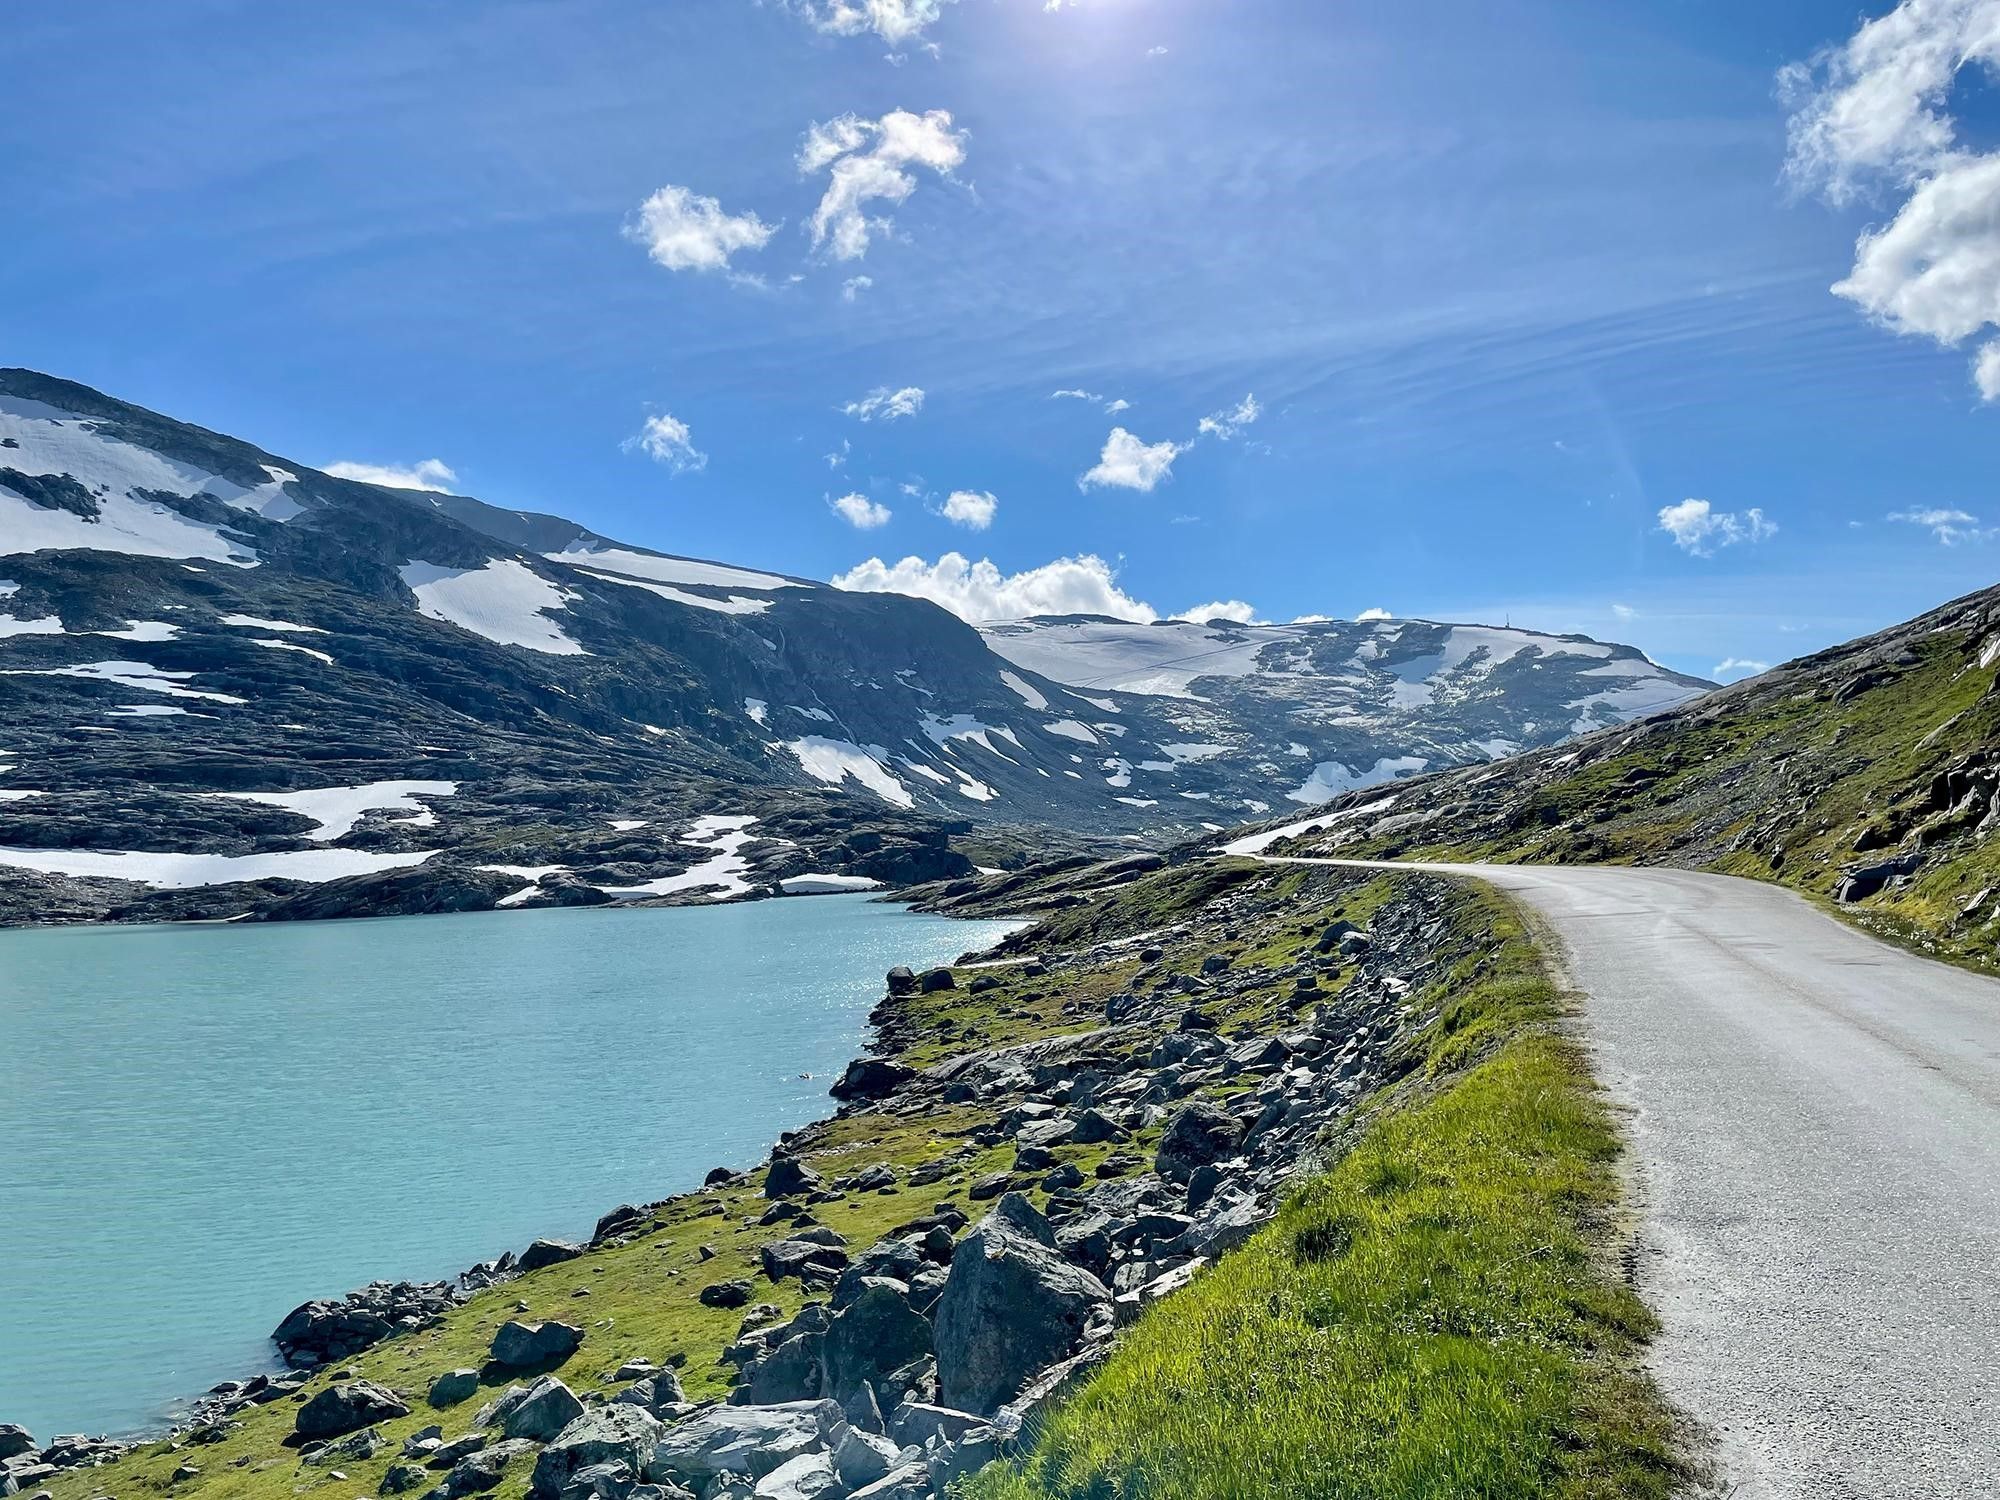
(256, 622)
(504, 601)
(668, 569)
(272, 643)
(138, 675)
(181, 872)
(758, 710)
(336, 809)
(735, 604)
(1026, 691)
(142, 630)
(1330, 778)
(833, 761)
(1070, 729)
(46, 625)
(724, 837)
(822, 885)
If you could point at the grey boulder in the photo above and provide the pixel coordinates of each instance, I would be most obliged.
(543, 1411)
(1198, 1134)
(522, 1346)
(1011, 1307)
(810, 1476)
(453, 1387)
(615, 1434)
(747, 1440)
(341, 1409)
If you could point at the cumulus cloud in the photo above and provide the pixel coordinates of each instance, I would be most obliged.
(1731, 668)
(1228, 422)
(972, 509)
(885, 405)
(665, 439)
(899, 23)
(1374, 614)
(1699, 528)
(425, 474)
(1129, 464)
(860, 512)
(870, 161)
(1871, 117)
(1085, 585)
(684, 231)
(1234, 610)
(1949, 526)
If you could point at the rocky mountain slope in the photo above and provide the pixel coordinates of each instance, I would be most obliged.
(1866, 774)
(234, 684)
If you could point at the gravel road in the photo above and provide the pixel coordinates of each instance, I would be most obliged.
(1815, 1119)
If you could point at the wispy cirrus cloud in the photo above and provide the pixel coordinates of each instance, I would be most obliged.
(886, 405)
(899, 23)
(1949, 526)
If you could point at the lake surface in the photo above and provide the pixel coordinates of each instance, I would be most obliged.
(203, 1126)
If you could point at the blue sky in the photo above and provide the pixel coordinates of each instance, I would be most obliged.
(1508, 282)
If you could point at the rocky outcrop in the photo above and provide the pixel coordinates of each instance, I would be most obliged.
(321, 1332)
(527, 1346)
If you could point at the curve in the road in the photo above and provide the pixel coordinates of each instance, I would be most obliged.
(1815, 1119)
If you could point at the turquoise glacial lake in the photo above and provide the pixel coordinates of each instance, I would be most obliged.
(203, 1126)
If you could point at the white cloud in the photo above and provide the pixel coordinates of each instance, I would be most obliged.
(1111, 404)
(854, 286)
(665, 439)
(1949, 526)
(425, 474)
(1156, 52)
(972, 509)
(1732, 667)
(1624, 612)
(885, 405)
(1222, 609)
(1872, 115)
(896, 22)
(1374, 614)
(1084, 585)
(1130, 464)
(1697, 527)
(838, 457)
(684, 231)
(867, 161)
(1227, 423)
(860, 512)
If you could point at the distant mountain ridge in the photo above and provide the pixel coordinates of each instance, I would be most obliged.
(203, 646)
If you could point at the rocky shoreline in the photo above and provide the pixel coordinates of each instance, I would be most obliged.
(1128, 1103)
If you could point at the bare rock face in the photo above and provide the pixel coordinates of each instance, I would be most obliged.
(1012, 1306)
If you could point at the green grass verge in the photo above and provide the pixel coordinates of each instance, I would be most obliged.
(1436, 1315)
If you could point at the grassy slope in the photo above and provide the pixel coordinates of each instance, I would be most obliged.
(1790, 784)
(1436, 1315)
(642, 1295)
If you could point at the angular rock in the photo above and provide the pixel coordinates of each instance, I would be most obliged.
(453, 1387)
(788, 1177)
(748, 1440)
(14, 1441)
(523, 1346)
(908, 1482)
(1012, 1307)
(863, 1457)
(485, 1469)
(875, 1335)
(726, 1294)
(615, 1434)
(548, 1253)
(341, 1409)
(544, 1410)
(810, 1476)
(871, 1078)
(1199, 1133)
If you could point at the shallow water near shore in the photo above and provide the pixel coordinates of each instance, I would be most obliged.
(203, 1126)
